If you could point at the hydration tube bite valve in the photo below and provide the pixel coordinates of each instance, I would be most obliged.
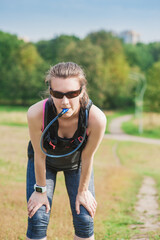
(63, 111)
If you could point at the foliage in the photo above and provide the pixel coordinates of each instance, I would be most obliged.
(154, 49)
(106, 60)
(139, 55)
(53, 51)
(21, 70)
(152, 97)
(151, 126)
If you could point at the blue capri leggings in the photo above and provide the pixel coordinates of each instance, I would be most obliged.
(37, 225)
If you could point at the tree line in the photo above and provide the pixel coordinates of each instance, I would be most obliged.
(107, 61)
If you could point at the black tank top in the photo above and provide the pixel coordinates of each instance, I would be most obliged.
(56, 145)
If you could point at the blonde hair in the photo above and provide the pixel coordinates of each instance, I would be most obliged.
(66, 70)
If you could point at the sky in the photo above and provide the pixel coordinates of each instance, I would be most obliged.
(45, 19)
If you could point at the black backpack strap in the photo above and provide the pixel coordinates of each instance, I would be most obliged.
(87, 111)
(89, 104)
(49, 114)
(86, 125)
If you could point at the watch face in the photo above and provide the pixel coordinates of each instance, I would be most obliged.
(38, 189)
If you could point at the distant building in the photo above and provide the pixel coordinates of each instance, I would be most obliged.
(130, 37)
(24, 38)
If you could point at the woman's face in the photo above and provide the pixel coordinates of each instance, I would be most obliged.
(66, 85)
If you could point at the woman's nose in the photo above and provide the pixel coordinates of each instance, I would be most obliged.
(65, 100)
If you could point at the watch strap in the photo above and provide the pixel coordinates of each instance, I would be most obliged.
(40, 189)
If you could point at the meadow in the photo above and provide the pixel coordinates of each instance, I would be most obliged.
(151, 125)
(116, 185)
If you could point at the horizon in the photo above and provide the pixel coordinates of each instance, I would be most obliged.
(26, 39)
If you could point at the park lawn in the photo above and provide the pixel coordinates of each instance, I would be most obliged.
(13, 116)
(144, 160)
(7, 108)
(116, 187)
(151, 126)
(13, 161)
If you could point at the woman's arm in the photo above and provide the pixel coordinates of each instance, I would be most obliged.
(34, 117)
(97, 125)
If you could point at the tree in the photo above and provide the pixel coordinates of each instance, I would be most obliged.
(106, 60)
(53, 51)
(139, 55)
(115, 70)
(90, 57)
(152, 96)
(154, 49)
(9, 47)
(21, 70)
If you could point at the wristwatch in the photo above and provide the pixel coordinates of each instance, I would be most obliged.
(40, 189)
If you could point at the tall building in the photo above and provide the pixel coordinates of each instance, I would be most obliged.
(130, 37)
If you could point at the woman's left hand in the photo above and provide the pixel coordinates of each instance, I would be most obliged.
(86, 199)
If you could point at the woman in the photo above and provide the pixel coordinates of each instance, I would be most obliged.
(67, 84)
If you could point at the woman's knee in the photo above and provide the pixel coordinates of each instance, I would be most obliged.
(84, 226)
(37, 225)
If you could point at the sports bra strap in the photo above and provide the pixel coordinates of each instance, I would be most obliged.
(44, 103)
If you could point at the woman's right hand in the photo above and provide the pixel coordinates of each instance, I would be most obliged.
(36, 201)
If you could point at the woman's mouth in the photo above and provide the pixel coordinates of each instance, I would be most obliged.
(65, 109)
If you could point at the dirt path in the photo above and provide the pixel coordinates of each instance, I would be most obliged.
(115, 125)
(117, 133)
(147, 209)
(126, 137)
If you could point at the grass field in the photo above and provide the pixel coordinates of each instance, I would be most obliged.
(151, 126)
(151, 123)
(116, 187)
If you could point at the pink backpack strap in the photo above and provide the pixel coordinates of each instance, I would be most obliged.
(87, 131)
(44, 103)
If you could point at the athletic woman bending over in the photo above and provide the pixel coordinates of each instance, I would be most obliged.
(67, 85)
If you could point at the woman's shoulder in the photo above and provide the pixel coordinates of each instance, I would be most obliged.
(35, 111)
(97, 117)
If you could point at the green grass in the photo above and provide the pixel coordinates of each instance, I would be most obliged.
(151, 130)
(12, 124)
(7, 108)
(11, 172)
(121, 188)
(117, 186)
(137, 160)
(13, 116)
(132, 129)
(143, 160)
(118, 221)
